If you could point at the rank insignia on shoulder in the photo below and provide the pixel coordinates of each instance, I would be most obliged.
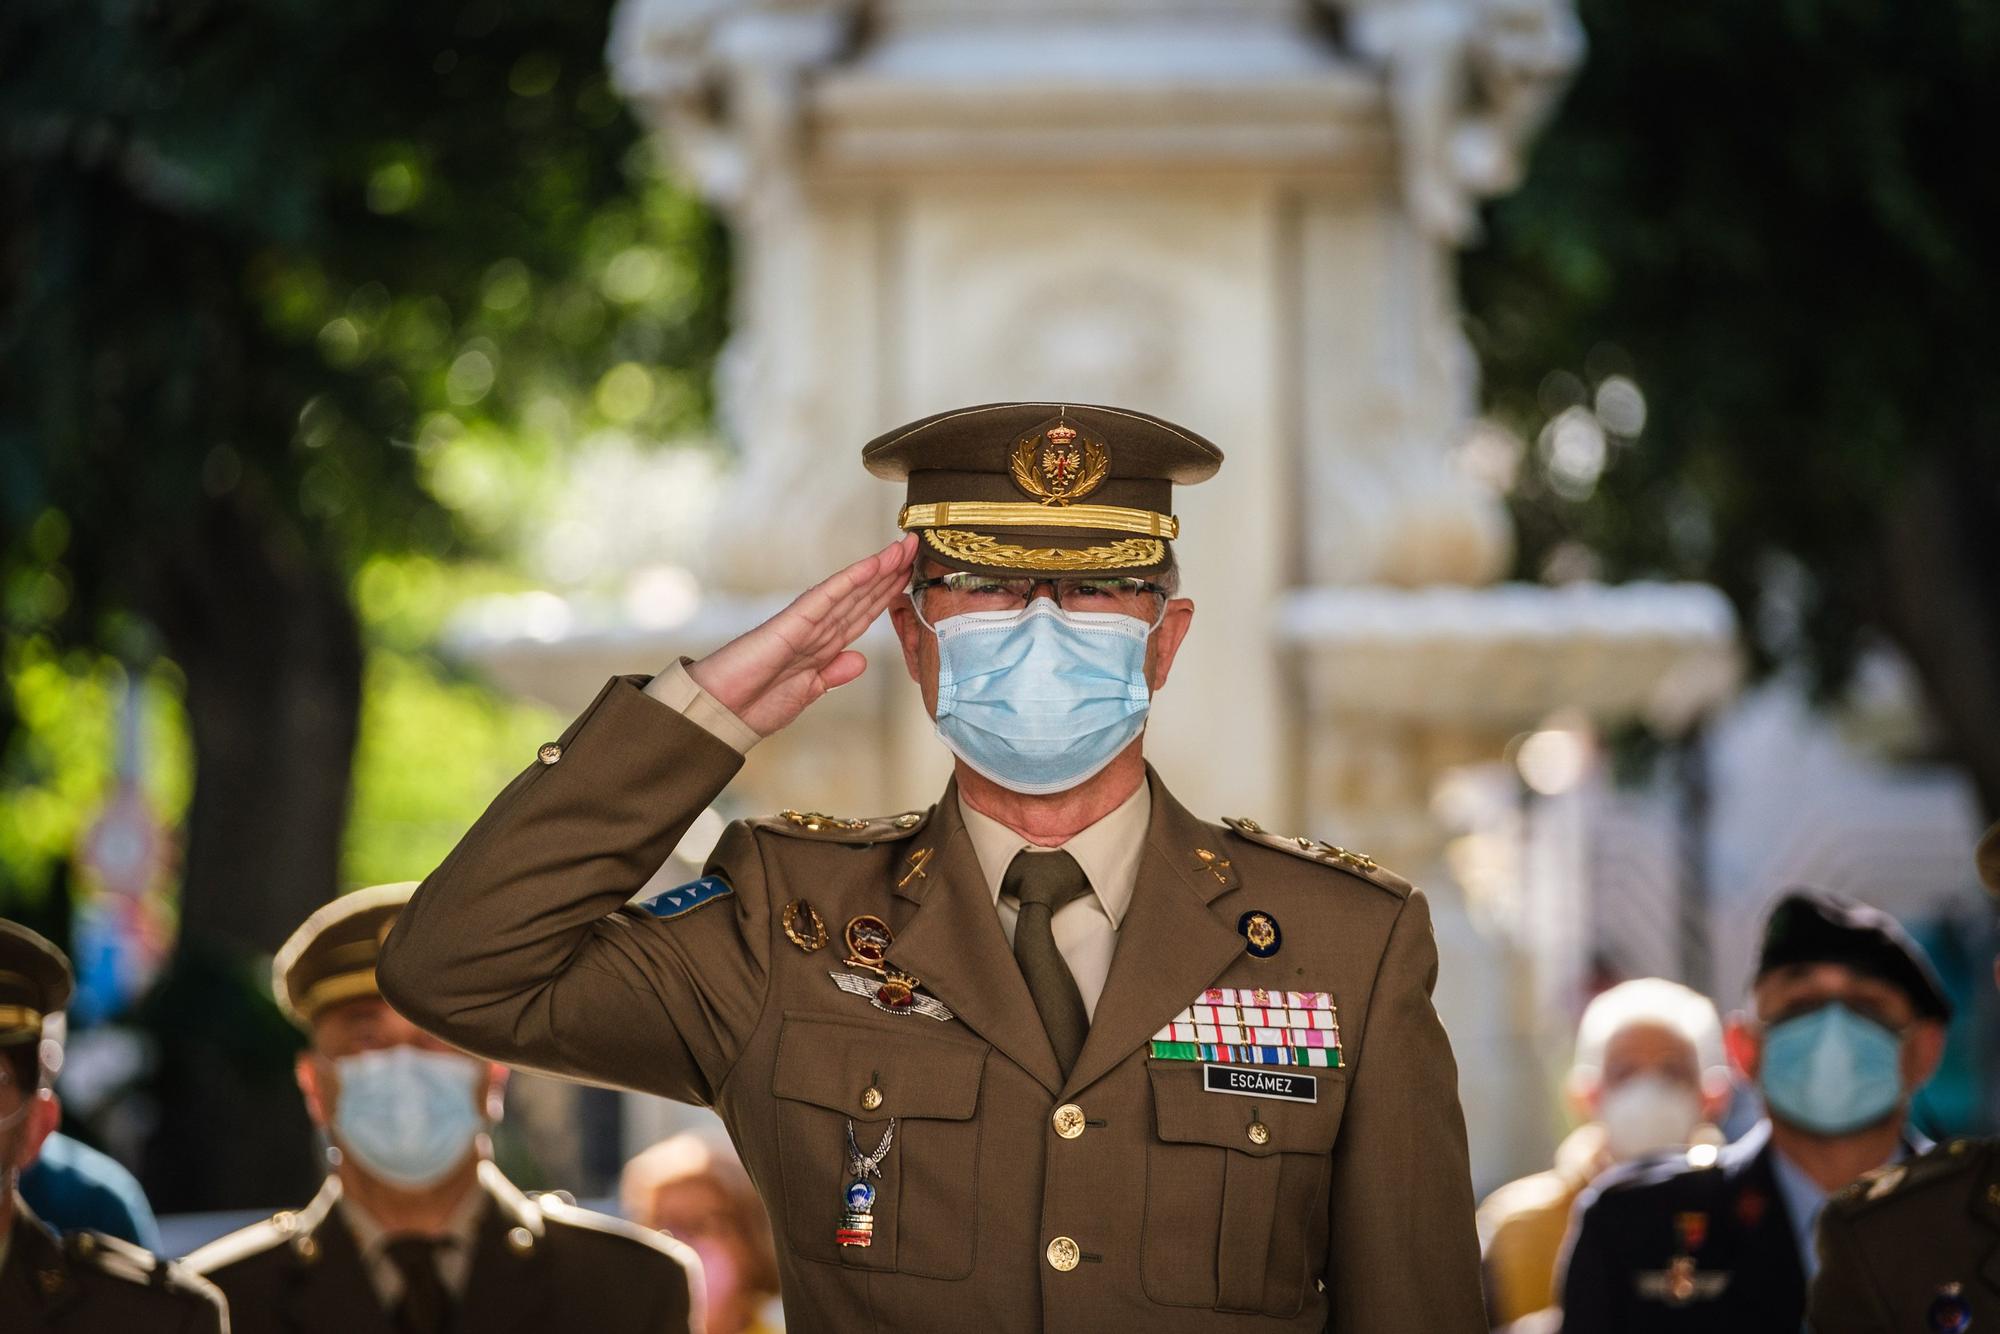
(817, 825)
(1326, 854)
(684, 899)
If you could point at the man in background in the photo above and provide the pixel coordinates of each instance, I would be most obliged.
(1649, 1075)
(416, 1230)
(87, 1283)
(696, 1190)
(1849, 1023)
(1912, 1246)
(72, 1187)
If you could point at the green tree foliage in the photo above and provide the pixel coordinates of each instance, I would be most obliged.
(298, 301)
(1775, 222)
(278, 278)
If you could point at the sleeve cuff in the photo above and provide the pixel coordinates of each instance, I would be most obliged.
(678, 691)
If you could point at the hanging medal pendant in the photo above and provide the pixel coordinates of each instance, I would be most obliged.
(857, 1211)
(857, 1219)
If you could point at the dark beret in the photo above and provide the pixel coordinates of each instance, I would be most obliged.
(1808, 926)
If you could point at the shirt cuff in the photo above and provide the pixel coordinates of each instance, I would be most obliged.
(678, 691)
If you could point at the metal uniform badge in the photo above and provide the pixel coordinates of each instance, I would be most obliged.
(891, 990)
(1260, 931)
(1950, 1313)
(1059, 465)
(857, 1217)
(804, 927)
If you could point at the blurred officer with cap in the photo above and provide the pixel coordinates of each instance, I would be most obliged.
(416, 1230)
(1914, 1246)
(1050, 1054)
(87, 1281)
(1849, 1023)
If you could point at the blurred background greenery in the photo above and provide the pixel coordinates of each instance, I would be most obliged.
(303, 306)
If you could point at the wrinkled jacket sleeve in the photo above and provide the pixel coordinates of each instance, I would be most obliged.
(522, 948)
(1403, 1254)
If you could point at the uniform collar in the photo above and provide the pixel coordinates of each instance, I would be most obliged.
(1108, 851)
(457, 1240)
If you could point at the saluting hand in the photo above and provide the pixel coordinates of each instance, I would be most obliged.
(767, 676)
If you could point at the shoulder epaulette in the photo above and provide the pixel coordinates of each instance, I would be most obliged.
(556, 1209)
(122, 1260)
(288, 1227)
(1326, 854)
(840, 829)
(1899, 1179)
(238, 1246)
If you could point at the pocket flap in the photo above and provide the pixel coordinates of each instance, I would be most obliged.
(830, 1062)
(1186, 1111)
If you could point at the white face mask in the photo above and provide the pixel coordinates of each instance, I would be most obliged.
(1648, 1113)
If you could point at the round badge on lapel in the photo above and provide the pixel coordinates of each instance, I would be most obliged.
(1950, 1313)
(1260, 933)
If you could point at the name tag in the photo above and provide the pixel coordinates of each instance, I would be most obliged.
(1259, 1082)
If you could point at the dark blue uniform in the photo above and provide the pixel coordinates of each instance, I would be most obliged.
(1699, 1240)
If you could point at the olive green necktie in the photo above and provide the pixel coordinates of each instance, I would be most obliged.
(1044, 882)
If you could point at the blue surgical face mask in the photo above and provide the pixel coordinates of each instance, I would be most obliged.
(408, 1115)
(1040, 699)
(1831, 1071)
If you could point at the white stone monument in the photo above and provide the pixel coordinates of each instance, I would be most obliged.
(1239, 214)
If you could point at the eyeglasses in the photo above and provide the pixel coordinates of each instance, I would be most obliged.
(961, 591)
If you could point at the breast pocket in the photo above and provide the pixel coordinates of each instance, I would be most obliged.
(1236, 1191)
(926, 1198)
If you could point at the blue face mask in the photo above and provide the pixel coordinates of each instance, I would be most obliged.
(1831, 1071)
(1040, 699)
(406, 1114)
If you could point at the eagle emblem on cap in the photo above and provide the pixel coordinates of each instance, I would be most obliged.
(1058, 465)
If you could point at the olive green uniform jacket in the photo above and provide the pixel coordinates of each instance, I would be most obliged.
(1913, 1246)
(1352, 1211)
(538, 1265)
(90, 1283)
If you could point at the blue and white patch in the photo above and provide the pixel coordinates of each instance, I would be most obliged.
(686, 898)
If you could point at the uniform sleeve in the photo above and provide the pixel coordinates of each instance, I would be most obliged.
(1586, 1273)
(521, 948)
(1843, 1298)
(1402, 1250)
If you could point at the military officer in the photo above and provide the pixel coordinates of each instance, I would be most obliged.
(416, 1230)
(1849, 1023)
(1050, 1054)
(1912, 1247)
(88, 1281)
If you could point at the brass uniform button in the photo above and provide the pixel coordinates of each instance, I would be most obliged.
(871, 1098)
(1259, 1133)
(1068, 1120)
(549, 753)
(1064, 1254)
